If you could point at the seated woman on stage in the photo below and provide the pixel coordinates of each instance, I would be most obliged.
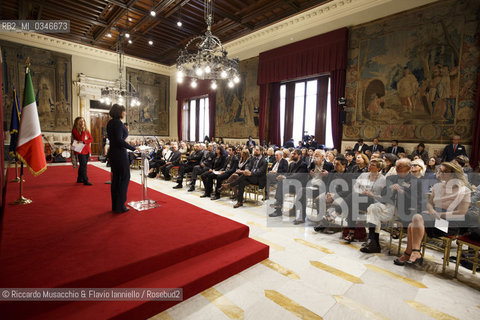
(449, 200)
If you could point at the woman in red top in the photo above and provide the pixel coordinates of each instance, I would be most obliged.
(81, 134)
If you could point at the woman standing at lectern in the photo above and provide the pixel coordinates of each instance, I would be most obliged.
(120, 165)
(81, 134)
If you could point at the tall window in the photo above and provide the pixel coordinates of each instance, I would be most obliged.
(203, 120)
(298, 111)
(193, 116)
(196, 119)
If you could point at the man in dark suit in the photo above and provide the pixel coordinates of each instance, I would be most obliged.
(375, 146)
(453, 150)
(297, 170)
(192, 160)
(205, 164)
(395, 148)
(360, 146)
(230, 166)
(172, 161)
(256, 173)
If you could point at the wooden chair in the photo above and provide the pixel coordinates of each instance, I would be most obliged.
(473, 248)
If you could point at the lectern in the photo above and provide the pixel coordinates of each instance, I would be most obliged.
(145, 203)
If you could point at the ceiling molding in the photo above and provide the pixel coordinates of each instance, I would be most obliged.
(68, 47)
(324, 18)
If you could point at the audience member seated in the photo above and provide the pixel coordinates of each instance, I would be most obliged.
(172, 161)
(192, 160)
(350, 156)
(360, 146)
(375, 146)
(270, 157)
(361, 164)
(280, 166)
(229, 168)
(242, 166)
(297, 171)
(390, 160)
(183, 148)
(369, 184)
(254, 174)
(208, 176)
(205, 164)
(395, 148)
(420, 152)
(418, 168)
(403, 192)
(450, 200)
(432, 165)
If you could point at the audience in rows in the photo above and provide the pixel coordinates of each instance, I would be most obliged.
(417, 189)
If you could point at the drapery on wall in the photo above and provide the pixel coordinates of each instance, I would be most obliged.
(316, 55)
(274, 114)
(185, 91)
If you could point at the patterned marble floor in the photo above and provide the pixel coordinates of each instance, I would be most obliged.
(317, 276)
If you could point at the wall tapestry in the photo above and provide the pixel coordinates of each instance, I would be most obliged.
(235, 107)
(52, 81)
(152, 116)
(412, 76)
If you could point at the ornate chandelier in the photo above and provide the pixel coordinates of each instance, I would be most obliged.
(209, 60)
(124, 93)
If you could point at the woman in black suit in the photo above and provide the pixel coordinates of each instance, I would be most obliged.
(120, 165)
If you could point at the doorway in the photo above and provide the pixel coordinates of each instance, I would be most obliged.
(98, 122)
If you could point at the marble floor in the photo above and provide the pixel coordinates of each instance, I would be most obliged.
(317, 276)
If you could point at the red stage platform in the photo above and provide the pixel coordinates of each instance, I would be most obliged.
(68, 237)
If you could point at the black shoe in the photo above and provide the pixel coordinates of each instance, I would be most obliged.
(399, 262)
(204, 195)
(122, 210)
(178, 186)
(276, 213)
(295, 222)
(215, 197)
(371, 247)
(238, 204)
(192, 188)
(319, 228)
(276, 205)
(79, 181)
(168, 179)
(87, 183)
(418, 261)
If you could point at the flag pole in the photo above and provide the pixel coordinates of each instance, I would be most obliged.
(17, 179)
(21, 199)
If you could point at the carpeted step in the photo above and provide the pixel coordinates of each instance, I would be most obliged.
(193, 275)
(76, 243)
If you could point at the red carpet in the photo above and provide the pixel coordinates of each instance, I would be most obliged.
(68, 237)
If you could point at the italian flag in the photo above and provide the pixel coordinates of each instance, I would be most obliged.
(30, 145)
